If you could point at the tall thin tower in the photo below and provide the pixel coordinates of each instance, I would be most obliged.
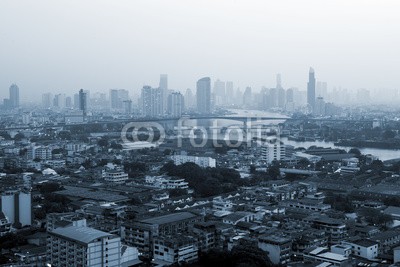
(311, 90)
(14, 96)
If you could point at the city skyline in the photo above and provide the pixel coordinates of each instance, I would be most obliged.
(226, 46)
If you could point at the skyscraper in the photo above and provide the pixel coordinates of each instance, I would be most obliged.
(152, 102)
(311, 90)
(164, 89)
(229, 93)
(117, 97)
(14, 96)
(47, 100)
(175, 104)
(219, 92)
(190, 101)
(83, 102)
(203, 94)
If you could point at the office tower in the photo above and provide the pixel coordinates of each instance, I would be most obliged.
(175, 104)
(59, 101)
(219, 93)
(190, 101)
(128, 106)
(229, 93)
(247, 97)
(319, 106)
(14, 96)
(76, 101)
(311, 90)
(152, 102)
(117, 97)
(203, 95)
(114, 99)
(68, 102)
(273, 98)
(83, 102)
(17, 207)
(84, 246)
(281, 97)
(47, 100)
(164, 89)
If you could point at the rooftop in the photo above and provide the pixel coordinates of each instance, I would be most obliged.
(84, 235)
(169, 218)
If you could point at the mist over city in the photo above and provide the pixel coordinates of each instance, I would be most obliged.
(199, 133)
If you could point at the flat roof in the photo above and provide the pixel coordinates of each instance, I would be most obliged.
(169, 218)
(365, 243)
(333, 256)
(83, 235)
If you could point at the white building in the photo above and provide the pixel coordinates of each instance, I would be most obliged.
(84, 246)
(114, 174)
(322, 255)
(163, 182)
(364, 248)
(175, 249)
(40, 152)
(273, 149)
(221, 204)
(17, 207)
(203, 162)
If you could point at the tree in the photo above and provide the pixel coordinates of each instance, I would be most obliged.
(103, 142)
(389, 134)
(355, 151)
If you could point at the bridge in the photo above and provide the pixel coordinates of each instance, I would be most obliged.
(243, 119)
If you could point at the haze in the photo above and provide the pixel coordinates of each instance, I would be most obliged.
(62, 46)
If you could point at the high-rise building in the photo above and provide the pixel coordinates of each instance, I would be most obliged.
(14, 96)
(190, 101)
(273, 149)
(203, 95)
(281, 97)
(59, 101)
(128, 106)
(152, 102)
(17, 207)
(117, 98)
(47, 100)
(219, 93)
(84, 246)
(319, 106)
(229, 93)
(247, 97)
(68, 102)
(164, 89)
(83, 102)
(175, 104)
(311, 89)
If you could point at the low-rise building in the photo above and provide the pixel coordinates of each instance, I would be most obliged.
(364, 248)
(279, 248)
(84, 246)
(203, 162)
(175, 249)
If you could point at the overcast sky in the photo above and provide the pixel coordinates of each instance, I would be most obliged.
(65, 45)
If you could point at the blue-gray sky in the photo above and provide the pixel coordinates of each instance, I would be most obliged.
(64, 45)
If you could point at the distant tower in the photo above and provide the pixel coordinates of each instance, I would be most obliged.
(152, 104)
(83, 102)
(175, 104)
(14, 96)
(219, 92)
(311, 89)
(128, 107)
(164, 88)
(203, 95)
(278, 81)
